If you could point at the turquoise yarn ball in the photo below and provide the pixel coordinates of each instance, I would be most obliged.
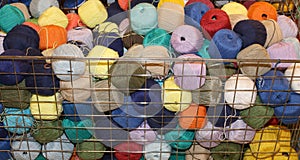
(180, 138)
(78, 131)
(10, 16)
(203, 52)
(157, 37)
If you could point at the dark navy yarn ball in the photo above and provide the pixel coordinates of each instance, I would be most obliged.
(196, 10)
(136, 2)
(77, 111)
(110, 40)
(26, 2)
(71, 3)
(227, 111)
(114, 10)
(5, 148)
(3, 131)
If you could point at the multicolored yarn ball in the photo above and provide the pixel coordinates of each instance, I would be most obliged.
(226, 151)
(179, 138)
(25, 147)
(52, 36)
(170, 16)
(82, 34)
(251, 32)
(207, 2)
(295, 42)
(17, 121)
(143, 134)
(196, 10)
(194, 117)
(196, 151)
(121, 117)
(15, 96)
(143, 18)
(10, 17)
(272, 88)
(45, 107)
(77, 111)
(225, 44)
(53, 16)
(47, 131)
(209, 136)
(128, 150)
(186, 39)
(23, 9)
(157, 150)
(240, 132)
(240, 91)
(234, 8)
(90, 149)
(79, 131)
(92, 13)
(274, 34)
(214, 20)
(73, 21)
(287, 26)
(37, 7)
(262, 11)
(5, 148)
(235, 18)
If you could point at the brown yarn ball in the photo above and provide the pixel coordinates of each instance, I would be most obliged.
(131, 38)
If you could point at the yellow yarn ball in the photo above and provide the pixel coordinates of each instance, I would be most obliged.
(180, 2)
(107, 27)
(53, 16)
(235, 8)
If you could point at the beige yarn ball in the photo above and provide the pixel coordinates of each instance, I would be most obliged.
(274, 33)
(197, 152)
(23, 8)
(170, 16)
(235, 18)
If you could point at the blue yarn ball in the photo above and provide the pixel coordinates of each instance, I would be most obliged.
(13, 70)
(251, 32)
(5, 148)
(110, 40)
(227, 111)
(124, 120)
(196, 10)
(273, 88)
(71, 3)
(77, 111)
(290, 112)
(226, 44)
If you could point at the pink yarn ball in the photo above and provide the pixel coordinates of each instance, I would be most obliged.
(143, 134)
(288, 26)
(240, 132)
(209, 136)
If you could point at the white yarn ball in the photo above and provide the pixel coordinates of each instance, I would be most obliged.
(37, 7)
(292, 73)
(158, 150)
(68, 69)
(240, 91)
(25, 148)
(60, 149)
(240, 132)
(82, 34)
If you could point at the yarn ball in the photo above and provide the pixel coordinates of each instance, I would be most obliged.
(225, 44)
(33, 20)
(240, 91)
(170, 16)
(177, 154)
(3, 131)
(82, 34)
(295, 42)
(15, 96)
(10, 16)
(106, 27)
(32, 25)
(207, 2)
(40, 157)
(17, 121)
(79, 131)
(254, 68)
(203, 52)
(114, 9)
(157, 150)
(90, 149)
(180, 2)
(174, 98)
(25, 147)
(47, 131)
(286, 153)
(5, 148)
(83, 47)
(92, 13)
(52, 36)
(226, 151)
(73, 21)
(143, 134)
(234, 8)
(196, 10)
(180, 138)
(287, 26)
(209, 136)
(120, 117)
(248, 3)
(76, 90)
(274, 33)
(100, 68)
(225, 117)
(214, 20)
(50, 150)
(196, 151)
(258, 115)
(130, 39)
(53, 16)
(127, 75)
(143, 18)
(220, 69)
(13, 70)
(272, 88)
(23, 8)
(186, 39)
(37, 7)
(193, 117)
(240, 132)
(292, 73)
(77, 111)
(261, 11)
(2, 36)
(111, 40)
(235, 18)
(45, 107)
(251, 32)
(282, 50)
(70, 4)
(128, 150)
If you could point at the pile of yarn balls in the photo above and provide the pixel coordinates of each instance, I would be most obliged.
(154, 80)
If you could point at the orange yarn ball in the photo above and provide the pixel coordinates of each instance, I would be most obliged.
(124, 4)
(193, 117)
(52, 36)
(74, 21)
(262, 11)
(33, 25)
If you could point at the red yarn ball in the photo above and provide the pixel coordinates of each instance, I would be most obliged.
(128, 150)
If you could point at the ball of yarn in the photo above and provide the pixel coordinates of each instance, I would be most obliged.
(76, 90)
(3, 131)
(234, 8)
(240, 132)
(45, 107)
(220, 69)
(272, 87)
(258, 115)
(295, 42)
(251, 32)
(73, 21)
(90, 149)
(5, 148)
(25, 147)
(143, 134)
(209, 136)
(33, 20)
(186, 39)
(92, 13)
(214, 20)
(235, 18)
(193, 117)
(225, 44)
(82, 46)
(282, 50)
(79, 131)
(37, 7)
(131, 38)
(252, 68)
(226, 151)
(262, 11)
(111, 40)
(47, 131)
(17, 121)
(248, 3)
(177, 154)
(287, 26)
(77, 111)
(128, 150)
(82, 34)
(15, 96)
(174, 98)
(52, 36)
(61, 148)
(70, 4)
(114, 9)
(158, 150)
(274, 34)
(240, 91)
(170, 16)
(10, 17)
(143, 18)
(291, 74)
(23, 8)
(225, 117)
(180, 138)
(32, 25)
(196, 151)
(53, 16)
(180, 2)
(196, 10)
(203, 52)
(207, 2)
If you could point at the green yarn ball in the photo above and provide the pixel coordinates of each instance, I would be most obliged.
(40, 157)
(33, 20)
(157, 37)
(180, 138)
(90, 149)
(10, 16)
(77, 132)
(47, 131)
(226, 151)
